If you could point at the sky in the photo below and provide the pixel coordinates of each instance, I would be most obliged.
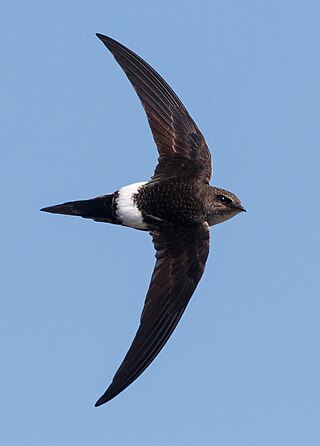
(242, 367)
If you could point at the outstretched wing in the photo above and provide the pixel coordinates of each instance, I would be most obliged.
(181, 255)
(181, 146)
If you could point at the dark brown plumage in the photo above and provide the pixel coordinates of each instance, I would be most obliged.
(181, 255)
(181, 146)
(176, 206)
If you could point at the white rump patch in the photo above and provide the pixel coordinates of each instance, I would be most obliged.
(127, 209)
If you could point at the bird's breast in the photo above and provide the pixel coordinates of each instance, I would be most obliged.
(175, 201)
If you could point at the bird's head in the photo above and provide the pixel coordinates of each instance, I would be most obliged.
(222, 205)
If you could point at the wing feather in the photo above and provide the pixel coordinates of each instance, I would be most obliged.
(178, 139)
(181, 255)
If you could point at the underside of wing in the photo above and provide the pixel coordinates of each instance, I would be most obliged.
(181, 146)
(181, 255)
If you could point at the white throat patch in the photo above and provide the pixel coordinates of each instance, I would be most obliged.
(127, 210)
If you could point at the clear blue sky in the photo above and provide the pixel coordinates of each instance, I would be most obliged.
(242, 367)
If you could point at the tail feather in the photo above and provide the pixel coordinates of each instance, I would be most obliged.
(98, 209)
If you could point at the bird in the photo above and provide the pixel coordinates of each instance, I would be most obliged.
(176, 206)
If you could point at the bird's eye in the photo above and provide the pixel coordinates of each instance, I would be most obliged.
(223, 199)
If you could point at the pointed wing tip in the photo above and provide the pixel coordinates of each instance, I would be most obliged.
(105, 39)
(99, 402)
(100, 36)
(110, 43)
(104, 399)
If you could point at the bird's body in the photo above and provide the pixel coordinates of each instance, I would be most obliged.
(176, 206)
(141, 205)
